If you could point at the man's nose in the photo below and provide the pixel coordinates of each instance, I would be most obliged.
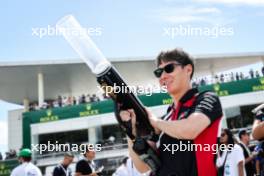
(163, 76)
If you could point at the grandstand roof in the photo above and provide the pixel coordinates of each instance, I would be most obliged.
(18, 79)
(211, 57)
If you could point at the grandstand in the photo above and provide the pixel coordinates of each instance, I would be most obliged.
(95, 123)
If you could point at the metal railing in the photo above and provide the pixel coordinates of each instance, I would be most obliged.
(118, 146)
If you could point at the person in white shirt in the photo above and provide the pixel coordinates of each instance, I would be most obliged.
(249, 157)
(122, 170)
(133, 170)
(26, 168)
(232, 157)
(127, 168)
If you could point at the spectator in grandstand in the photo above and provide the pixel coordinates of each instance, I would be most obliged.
(258, 125)
(216, 79)
(31, 107)
(1, 156)
(232, 78)
(262, 70)
(222, 78)
(257, 74)
(55, 104)
(87, 166)
(105, 96)
(232, 158)
(251, 73)
(237, 76)
(69, 101)
(74, 101)
(63, 169)
(194, 84)
(79, 99)
(83, 99)
(241, 76)
(26, 167)
(94, 98)
(88, 98)
(202, 83)
(44, 105)
(244, 143)
(59, 101)
(191, 118)
(64, 101)
(11, 154)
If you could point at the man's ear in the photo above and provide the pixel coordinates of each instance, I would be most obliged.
(189, 69)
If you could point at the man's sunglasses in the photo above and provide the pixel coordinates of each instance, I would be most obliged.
(168, 69)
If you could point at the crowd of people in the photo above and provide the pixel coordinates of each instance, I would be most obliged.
(11, 154)
(242, 158)
(63, 101)
(227, 77)
(193, 118)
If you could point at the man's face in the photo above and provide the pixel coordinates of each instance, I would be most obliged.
(90, 155)
(223, 138)
(68, 160)
(246, 138)
(20, 160)
(177, 79)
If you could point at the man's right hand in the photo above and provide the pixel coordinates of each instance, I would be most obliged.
(127, 115)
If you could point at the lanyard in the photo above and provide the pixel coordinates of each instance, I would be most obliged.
(64, 170)
(92, 165)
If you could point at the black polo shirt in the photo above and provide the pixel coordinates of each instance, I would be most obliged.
(249, 167)
(83, 167)
(191, 162)
(61, 170)
(260, 115)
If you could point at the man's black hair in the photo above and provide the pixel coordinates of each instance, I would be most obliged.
(177, 55)
(230, 137)
(124, 160)
(27, 159)
(69, 154)
(241, 133)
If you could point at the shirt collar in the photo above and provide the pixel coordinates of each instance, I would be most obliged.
(186, 100)
(247, 149)
(188, 95)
